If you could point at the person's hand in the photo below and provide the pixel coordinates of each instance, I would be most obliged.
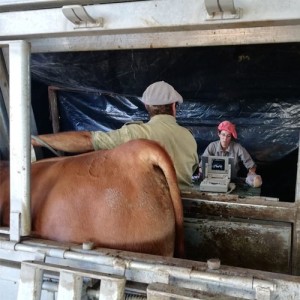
(254, 180)
(252, 171)
(200, 173)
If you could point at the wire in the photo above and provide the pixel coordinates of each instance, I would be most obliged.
(45, 145)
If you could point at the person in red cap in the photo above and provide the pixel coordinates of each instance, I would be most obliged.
(227, 146)
(160, 100)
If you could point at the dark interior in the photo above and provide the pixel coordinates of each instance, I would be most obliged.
(254, 86)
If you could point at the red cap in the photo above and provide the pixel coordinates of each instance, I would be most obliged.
(228, 126)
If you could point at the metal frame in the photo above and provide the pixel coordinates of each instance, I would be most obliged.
(19, 121)
(142, 268)
(149, 26)
(185, 25)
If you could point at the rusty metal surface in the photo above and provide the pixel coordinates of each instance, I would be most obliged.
(250, 232)
(253, 244)
(240, 208)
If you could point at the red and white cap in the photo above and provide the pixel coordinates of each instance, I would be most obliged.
(228, 126)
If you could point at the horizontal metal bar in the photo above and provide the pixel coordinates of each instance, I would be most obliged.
(193, 38)
(18, 5)
(184, 273)
(146, 17)
(274, 211)
(148, 268)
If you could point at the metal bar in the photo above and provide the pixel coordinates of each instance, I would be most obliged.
(70, 281)
(17, 5)
(19, 55)
(184, 273)
(160, 291)
(70, 286)
(190, 38)
(148, 269)
(274, 211)
(145, 17)
(112, 289)
(30, 283)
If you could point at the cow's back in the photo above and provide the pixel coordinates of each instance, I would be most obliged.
(116, 198)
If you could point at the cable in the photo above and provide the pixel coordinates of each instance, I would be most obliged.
(45, 145)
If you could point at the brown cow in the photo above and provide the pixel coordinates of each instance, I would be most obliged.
(126, 198)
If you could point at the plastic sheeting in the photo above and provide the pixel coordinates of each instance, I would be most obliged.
(268, 134)
(256, 87)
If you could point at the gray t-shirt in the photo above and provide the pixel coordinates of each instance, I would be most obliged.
(235, 150)
(177, 140)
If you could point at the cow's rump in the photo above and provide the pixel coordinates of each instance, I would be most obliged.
(126, 198)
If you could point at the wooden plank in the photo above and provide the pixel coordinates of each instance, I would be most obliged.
(54, 114)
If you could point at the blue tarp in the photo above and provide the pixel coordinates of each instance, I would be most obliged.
(254, 86)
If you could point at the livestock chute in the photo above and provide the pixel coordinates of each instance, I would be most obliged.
(74, 65)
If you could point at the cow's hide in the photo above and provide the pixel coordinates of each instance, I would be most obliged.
(126, 198)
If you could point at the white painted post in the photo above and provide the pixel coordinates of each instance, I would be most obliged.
(112, 289)
(30, 284)
(19, 111)
(70, 286)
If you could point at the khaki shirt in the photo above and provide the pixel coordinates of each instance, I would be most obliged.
(235, 150)
(177, 140)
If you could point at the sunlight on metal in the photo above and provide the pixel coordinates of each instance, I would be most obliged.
(78, 16)
(19, 117)
(22, 5)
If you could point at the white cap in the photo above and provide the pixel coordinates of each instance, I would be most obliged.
(161, 93)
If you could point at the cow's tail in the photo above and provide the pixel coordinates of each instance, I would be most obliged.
(162, 159)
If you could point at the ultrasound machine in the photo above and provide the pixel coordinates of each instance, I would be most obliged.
(217, 172)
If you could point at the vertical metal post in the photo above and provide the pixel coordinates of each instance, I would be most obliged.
(19, 112)
(70, 286)
(30, 284)
(112, 289)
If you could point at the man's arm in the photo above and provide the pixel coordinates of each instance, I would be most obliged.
(70, 141)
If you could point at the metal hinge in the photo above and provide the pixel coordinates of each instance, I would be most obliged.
(221, 10)
(79, 16)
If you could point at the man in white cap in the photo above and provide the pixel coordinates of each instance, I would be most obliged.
(160, 100)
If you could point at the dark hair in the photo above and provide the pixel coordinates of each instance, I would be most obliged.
(154, 110)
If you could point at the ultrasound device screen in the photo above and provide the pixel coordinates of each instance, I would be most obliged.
(218, 164)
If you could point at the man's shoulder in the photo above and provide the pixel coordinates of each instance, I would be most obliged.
(134, 123)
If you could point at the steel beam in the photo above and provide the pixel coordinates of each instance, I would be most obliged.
(19, 117)
(22, 5)
(146, 17)
(197, 38)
